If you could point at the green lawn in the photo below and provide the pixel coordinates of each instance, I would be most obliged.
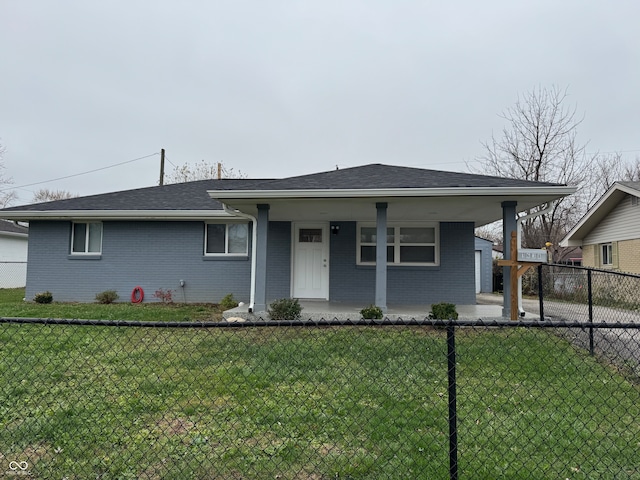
(308, 403)
(12, 305)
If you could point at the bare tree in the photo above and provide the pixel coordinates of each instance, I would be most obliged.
(46, 195)
(7, 196)
(606, 169)
(201, 171)
(539, 143)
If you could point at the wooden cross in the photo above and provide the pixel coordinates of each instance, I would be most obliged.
(517, 270)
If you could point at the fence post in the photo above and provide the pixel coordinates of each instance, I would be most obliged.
(540, 292)
(453, 414)
(590, 301)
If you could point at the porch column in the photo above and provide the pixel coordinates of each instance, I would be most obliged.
(260, 299)
(381, 255)
(509, 225)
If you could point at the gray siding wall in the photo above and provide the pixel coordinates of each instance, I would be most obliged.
(485, 247)
(150, 254)
(452, 281)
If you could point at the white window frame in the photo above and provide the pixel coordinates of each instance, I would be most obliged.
(606, 253)
(396, 243)
(87, 238)
(226, 252)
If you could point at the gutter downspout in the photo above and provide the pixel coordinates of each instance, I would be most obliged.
(254, 239)
(519, 221)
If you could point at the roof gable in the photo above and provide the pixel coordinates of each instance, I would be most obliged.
(599, 211)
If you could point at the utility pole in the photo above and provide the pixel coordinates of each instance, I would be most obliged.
(162, 166)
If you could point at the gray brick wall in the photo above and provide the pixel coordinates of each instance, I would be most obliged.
(150, 254)
(279, 261)
(452, 281)
(159, 254)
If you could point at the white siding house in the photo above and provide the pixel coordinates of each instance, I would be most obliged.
(609, 233)
(13, 255)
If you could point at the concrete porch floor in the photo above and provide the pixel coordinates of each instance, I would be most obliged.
(488, 307)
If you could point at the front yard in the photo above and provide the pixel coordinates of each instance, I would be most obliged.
(304, 403)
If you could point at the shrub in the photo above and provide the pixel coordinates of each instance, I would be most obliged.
(228, 302)
(285, 309)
(372, 312)
(165, 296)
(108, 296)
(43, 297)
(443, 311)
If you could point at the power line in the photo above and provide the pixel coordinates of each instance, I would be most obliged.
(80, 174)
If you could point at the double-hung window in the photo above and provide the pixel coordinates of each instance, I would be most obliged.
(86, 238)
(407, 244)
(606, 254)
(226, 239)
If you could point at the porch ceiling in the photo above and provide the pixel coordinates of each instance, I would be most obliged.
(480, 210)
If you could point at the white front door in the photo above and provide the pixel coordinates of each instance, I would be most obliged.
(310, 261)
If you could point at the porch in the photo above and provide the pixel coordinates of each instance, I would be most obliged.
(488, 307)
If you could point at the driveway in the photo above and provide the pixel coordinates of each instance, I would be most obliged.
(619, 345)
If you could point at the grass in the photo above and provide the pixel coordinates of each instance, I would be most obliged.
(12, 305)
(308, 403)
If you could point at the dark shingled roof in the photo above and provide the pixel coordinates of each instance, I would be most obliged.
(191, 196)
(377, 176)
(10, 227)
(634, 185)
(179, 196)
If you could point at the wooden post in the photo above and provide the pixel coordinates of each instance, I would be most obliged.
(517, 270)
(514, 276)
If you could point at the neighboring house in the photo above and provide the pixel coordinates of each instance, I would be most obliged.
(13, 254)
(609, 233)
(483, 265)
(496, 252)
(370, 234)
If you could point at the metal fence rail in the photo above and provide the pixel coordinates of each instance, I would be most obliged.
(318, 400)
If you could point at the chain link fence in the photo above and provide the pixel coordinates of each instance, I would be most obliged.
(13, 274)
(317, 400)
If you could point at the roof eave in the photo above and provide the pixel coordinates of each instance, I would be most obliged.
(392, 192)
(14, 234)
(114, 214)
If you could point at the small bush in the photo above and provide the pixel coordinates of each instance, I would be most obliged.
(443, 311)
(165, 296)
(106, 297)
(285, 309)
(228, 302)
(372, 312)
(43, 297)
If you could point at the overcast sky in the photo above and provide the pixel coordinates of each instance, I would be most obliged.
(276, 88)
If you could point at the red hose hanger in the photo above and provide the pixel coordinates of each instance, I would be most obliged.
(137, 295)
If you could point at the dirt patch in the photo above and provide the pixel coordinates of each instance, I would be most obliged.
(175, 426)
